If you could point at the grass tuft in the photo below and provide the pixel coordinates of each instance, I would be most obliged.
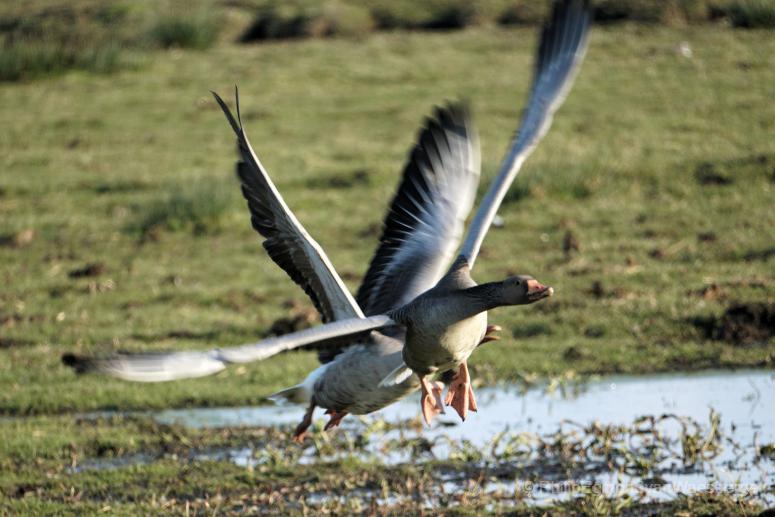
(339, 19)
(196, 32)
(50, 37)
(199, 208)
(752, 14)
(523, 14)
(24, 60)
(330, 19)
(453, 16)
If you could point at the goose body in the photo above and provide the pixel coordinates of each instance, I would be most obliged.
(356, 391)
(444, 325)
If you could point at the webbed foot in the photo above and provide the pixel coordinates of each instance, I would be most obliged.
(336, 418)
(301, 430)
(431, 399)
(461, 395)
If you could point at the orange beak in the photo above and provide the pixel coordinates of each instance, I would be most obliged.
(537, 291)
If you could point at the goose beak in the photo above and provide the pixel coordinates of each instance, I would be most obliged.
(536, 291)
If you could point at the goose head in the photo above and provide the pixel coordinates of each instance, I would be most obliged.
(523, 290)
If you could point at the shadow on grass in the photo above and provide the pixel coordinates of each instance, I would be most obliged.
(741, 324)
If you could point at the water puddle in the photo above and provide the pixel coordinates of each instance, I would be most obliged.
(746, 398)
(111, 463)
(652, 437)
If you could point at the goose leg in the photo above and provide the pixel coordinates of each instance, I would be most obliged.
(490, 334)
(461, 395)
(301, 429)
(431, 399)
(336, 418)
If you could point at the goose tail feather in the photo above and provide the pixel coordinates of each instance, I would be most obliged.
(298, 394)
(302, 393)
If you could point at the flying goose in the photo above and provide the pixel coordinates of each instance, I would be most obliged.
(422, 231)
(349, 381)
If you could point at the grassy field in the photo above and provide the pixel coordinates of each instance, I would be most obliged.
(159, 473)
(122, 227)
(40, 38)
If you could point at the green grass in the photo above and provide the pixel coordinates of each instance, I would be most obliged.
(49, 37)
(752, 13)
(29, 60)
(51, 473)
(40, 38)
(197, 206)
(185, 31)
(134, 172)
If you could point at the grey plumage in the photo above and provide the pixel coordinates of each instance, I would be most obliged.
(437, 191)
(170, 366)
(425, 220)
(560, 53)
(286, 240)
(350, 382)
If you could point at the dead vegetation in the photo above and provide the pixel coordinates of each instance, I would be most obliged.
(389, 468)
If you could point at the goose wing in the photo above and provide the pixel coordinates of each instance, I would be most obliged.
(426, 218)
(561, 51)
(285, 239)
(170, 366)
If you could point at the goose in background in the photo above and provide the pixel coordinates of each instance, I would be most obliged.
(386, 308)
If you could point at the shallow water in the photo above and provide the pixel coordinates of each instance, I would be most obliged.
(745, 401)
(745, 398)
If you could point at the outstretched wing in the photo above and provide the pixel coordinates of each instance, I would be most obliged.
(285, 239)
(426, 218)
(562, 48)
(170, 366)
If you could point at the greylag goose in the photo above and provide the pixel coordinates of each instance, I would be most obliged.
(444, 326)
(422, 230)
(348, 381)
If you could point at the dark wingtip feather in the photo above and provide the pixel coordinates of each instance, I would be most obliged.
(236, 101)
(455, 113)
(79, 363)
(237, 127)
(403, 213)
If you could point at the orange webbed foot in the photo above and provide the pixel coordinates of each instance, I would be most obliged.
(431, 399)
(301, 430)
(491, 334)
(336, 418)
(461, 395)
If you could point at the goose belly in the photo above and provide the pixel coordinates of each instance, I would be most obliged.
(431, 350)
(351, 382)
